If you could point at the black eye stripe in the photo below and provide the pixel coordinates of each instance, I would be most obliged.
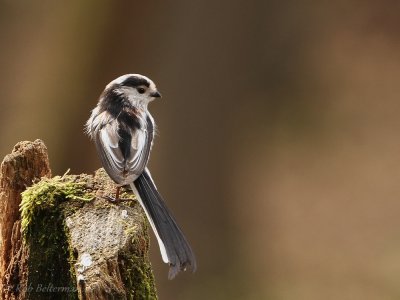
(135, 82)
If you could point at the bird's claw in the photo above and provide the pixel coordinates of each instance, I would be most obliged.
(116, 200)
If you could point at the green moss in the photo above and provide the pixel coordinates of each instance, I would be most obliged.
(136, 271)
(135, 265)
(44, 232)
(44, 208)
(47, 194)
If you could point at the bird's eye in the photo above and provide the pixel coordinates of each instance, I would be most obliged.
(141, 90)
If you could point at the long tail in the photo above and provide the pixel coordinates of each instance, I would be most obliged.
(174, 248)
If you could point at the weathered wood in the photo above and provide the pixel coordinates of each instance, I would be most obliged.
(67, 241)
(27, 162)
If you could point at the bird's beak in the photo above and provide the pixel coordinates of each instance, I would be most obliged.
(155, 94)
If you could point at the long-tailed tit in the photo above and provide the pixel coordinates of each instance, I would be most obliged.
(123, 131)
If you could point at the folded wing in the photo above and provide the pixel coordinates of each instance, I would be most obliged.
(124, 151)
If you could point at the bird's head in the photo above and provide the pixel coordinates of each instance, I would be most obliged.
(138, 89)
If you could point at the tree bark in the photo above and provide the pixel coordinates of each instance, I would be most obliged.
(63, 240)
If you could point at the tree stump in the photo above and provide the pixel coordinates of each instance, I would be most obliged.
(62, 240)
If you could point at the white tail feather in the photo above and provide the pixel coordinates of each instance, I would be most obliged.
(160, 242)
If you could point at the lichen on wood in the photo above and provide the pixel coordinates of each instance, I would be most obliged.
(43, 208)
(78, 245)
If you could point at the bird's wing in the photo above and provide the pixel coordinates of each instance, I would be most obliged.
(123, 151)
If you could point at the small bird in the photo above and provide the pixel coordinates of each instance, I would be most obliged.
(122, 129)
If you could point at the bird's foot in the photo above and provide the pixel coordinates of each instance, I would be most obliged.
(117, 200)
(112, 199)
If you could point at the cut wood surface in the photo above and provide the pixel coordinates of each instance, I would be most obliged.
(63, 240)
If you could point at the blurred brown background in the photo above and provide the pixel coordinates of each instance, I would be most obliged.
(278, 146)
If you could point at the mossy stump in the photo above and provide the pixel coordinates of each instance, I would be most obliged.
(62, 240)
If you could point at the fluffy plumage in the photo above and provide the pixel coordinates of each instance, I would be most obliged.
(123, 131)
